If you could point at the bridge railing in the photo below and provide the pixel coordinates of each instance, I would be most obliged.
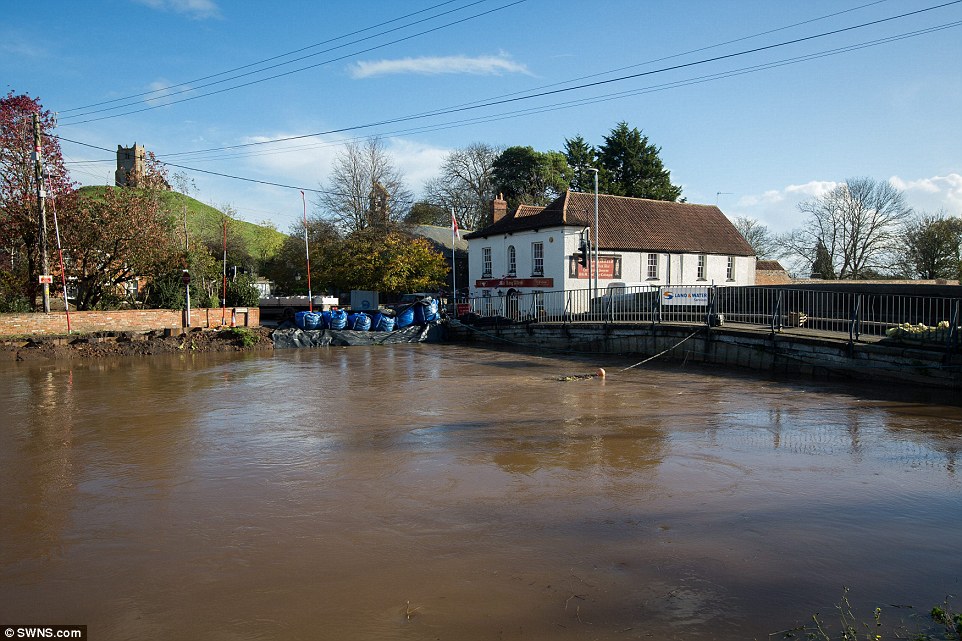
(924, 318)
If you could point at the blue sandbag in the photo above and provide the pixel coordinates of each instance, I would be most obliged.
(426, 312)
(312, 320)
(405, 317)
(338, 319)
(359, 322)
(382, 323)
(307, 320)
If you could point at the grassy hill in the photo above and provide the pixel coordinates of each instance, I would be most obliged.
(204, 221)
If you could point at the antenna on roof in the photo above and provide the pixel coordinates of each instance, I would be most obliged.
(722, 193)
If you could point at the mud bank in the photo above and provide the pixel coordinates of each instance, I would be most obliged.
(105, 344)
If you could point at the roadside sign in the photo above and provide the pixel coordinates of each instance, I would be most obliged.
(46, 279)
(185, 278)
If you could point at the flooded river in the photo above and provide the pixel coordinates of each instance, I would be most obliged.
(442, 492)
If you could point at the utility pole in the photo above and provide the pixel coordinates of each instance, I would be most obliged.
(41, 196)
(186, 276)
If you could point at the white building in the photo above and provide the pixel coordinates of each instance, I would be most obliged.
(650, 242)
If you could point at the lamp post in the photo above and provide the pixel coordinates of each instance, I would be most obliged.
(596, 228)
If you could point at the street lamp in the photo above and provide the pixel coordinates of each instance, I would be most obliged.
(596, 227)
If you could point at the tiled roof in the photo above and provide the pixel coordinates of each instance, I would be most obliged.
(769, 266)
(632, 224)
(440, 236)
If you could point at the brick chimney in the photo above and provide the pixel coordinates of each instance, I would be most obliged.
(499, 208)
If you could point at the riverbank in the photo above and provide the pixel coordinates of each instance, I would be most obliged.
(105, 344)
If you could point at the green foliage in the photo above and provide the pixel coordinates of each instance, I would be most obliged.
(531, 177)
(389, 262)
(581, 155)
(242, 335)
(165, 292)
(205, 223)
(931, 246)
(241, 292)
(822, 267)
(631, 166)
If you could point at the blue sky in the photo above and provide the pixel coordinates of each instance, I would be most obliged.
(755, 132)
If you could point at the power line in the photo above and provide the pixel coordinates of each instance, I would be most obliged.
(541, 94)
(559, 106)
(281, 75)
(283, 55)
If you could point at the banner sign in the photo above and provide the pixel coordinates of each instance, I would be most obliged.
(609, 267)
(684, 296)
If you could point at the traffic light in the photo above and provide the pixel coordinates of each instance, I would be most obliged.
(583, 256)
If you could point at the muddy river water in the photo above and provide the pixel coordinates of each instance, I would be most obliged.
(445, 492)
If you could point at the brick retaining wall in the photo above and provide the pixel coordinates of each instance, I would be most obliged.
(123, 320)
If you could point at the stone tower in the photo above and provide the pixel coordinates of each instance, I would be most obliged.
(130, 166)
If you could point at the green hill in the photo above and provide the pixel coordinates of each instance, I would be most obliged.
(204, 221)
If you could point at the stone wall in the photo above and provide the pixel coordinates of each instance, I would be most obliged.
(821, 357)
(124, 320)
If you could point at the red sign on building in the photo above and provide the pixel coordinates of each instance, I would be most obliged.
(609, 268)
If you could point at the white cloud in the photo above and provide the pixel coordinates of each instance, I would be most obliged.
(933, 194)
(197, 9)
(479, 66)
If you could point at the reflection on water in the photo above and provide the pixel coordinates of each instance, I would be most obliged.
(423, 492)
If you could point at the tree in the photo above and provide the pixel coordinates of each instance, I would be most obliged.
(427, 213)
(19, 211)
(822, 267)
(365, 189)
(858, 224)
(757, 235)
(931, 246)
(117, 236)
(531, 177)
(465, 185)
(288, 267)
(389, 263)
(631, 166)
(580, 155)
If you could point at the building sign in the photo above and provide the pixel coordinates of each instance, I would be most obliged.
(547, 283)
(684, 296)
(609, 267)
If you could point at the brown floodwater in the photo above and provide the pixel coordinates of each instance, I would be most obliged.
(446, 492)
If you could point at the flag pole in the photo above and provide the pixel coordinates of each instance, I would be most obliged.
(223, 301)
(307, 251)
(455, 234)
(63, 272)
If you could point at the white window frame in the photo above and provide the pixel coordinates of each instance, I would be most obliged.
(512, 261)
(652, 266)
(486, 265)
(537, 258)
(702, 267)
(730, 270)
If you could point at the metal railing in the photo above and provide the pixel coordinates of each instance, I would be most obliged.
(852, 313)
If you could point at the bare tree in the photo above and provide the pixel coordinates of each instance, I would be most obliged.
(859, 223)
(464, 185)
(758, 236)
(366, 189)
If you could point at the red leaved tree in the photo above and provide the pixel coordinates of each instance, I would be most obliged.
(19, 212)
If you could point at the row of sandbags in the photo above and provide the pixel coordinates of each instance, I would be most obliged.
(418, 313)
